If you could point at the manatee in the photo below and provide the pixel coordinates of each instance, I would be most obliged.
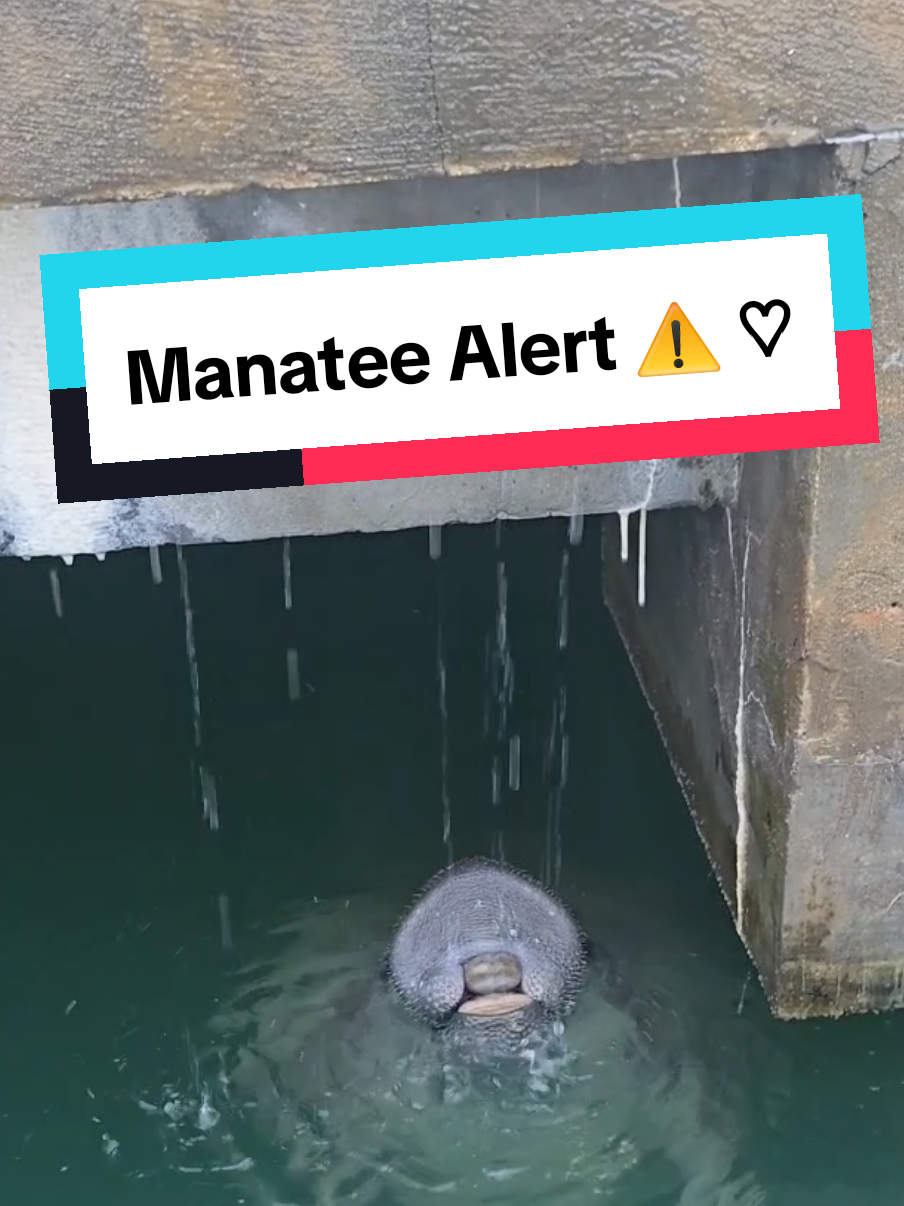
(480, 1048)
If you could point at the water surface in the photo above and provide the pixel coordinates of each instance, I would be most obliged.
(191, 875)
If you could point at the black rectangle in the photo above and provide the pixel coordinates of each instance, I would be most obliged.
(79, 480)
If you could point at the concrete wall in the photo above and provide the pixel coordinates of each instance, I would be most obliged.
(772, 651)
(102, 101)
(33, 524)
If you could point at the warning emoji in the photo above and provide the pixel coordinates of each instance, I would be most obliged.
(677, 349)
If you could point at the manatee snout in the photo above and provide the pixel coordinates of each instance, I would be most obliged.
(485, 942)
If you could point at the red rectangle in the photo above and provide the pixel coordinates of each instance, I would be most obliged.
(856, 422)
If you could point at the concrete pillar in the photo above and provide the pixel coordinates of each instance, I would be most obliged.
(771, 648)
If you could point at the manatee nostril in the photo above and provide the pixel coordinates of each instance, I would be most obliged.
(486, 974)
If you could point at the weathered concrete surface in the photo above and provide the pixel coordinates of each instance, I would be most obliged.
(772, 650)
(33, 524)
(101, 101)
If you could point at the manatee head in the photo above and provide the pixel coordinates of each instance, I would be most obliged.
(486, 953)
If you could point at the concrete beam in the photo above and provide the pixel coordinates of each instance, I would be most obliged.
(33, 524)
(153, 98)
(772, 652)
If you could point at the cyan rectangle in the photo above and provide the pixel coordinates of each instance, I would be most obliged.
(64, 274)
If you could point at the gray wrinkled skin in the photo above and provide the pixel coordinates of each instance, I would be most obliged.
(325, 1088)
(509, 930)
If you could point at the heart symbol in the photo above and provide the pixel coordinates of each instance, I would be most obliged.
(766, 348)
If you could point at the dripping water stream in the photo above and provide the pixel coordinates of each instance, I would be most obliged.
(56, 592)
(624, 519)
(555, 766)
(293, 671)
(206, 780)
(435, 546)
(505, 745)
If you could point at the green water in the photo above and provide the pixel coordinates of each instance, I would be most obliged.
(127, 919)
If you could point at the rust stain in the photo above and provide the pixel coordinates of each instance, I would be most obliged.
(878, 619)
(204, 91)
(809, 938)
(112, 100)
(823, 989)
(857, 601)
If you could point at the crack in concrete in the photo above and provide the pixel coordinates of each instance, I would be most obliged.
(866, 155)
(742, 840)
(752, 697)
(891, 135)
(434, 90)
